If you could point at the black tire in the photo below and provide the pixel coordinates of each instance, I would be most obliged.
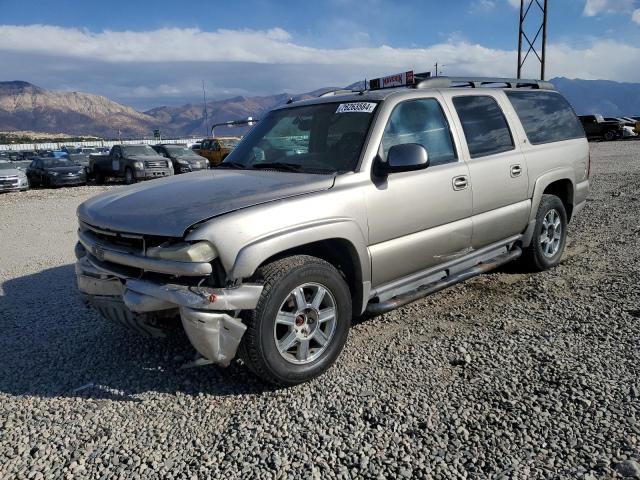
(534, 257)
(610, 135)
(98, 176)
(129, 176)
(258, 348)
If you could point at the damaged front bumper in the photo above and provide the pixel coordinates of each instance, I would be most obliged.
(209, 315)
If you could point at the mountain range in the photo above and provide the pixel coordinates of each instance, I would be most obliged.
(24, 106)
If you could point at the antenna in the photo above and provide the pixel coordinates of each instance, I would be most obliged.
(206, 116)
(532, 43)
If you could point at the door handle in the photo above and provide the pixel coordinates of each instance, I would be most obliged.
(460, 183)
(516, 170)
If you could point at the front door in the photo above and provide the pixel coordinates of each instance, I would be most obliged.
(421, 218)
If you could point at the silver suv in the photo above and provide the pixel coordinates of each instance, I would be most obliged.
(349, 204)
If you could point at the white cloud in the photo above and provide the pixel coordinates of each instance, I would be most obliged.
(514, 3)
(168, 65)
(635, 16)
(482, 6)
(598, 7)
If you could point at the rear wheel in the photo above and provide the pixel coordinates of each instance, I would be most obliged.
(99, 177)
(301, 322)
(549, 235)
(610, 135)
(129, 176)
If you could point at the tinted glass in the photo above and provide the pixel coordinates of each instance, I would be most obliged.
(484, 125)
(138, 150)
(178, 150)
(546, 116)
(421, 121)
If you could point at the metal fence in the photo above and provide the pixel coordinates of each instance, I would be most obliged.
(90, 143)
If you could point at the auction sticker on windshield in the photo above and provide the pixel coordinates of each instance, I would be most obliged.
(357, 107)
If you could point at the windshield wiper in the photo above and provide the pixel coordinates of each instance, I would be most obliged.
(288, 167)
(236, 165)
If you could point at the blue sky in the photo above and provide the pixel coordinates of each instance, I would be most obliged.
(154, 53)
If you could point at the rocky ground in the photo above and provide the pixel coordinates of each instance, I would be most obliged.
(509, 375)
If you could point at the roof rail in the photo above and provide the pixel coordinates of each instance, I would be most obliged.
(339, 91)
(477, 82)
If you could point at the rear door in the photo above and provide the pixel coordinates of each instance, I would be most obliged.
(497, 168)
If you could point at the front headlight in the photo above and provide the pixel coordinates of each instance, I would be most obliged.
(138, 165)
(53, 174)
(184, 252)
(183, 162)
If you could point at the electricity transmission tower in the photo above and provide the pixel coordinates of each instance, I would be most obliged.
(538, 47)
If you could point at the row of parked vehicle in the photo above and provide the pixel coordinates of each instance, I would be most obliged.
(76, 166)
(610, 128)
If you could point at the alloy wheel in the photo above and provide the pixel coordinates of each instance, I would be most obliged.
(305, 323)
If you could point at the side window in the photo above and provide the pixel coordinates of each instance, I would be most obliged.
(215, 146)
(421, 121)
(484, 125)
(546, 116)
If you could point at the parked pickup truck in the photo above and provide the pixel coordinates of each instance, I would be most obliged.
(131, 162)
(334, 207)
(595, 126)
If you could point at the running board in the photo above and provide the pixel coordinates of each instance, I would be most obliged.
(403, 299)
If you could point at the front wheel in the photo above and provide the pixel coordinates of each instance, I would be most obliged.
(129, 176)
(549, 235)
(301, 322)
(610, 135)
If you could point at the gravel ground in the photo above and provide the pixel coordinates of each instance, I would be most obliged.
(509, 375)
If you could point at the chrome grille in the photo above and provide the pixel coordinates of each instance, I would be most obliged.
(11, 180)
(155, 164)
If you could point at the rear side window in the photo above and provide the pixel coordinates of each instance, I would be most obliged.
(484, 125)
(546, 116)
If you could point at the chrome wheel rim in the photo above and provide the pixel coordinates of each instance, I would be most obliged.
(551, 233)
(305, 324)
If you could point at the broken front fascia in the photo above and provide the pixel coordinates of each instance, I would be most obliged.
(206, 313)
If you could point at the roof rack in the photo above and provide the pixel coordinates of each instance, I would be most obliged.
(477, 82)
(338, 91)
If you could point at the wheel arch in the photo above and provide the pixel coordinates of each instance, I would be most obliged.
(341, 243)
(561, 183)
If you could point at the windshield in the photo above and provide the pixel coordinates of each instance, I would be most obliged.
(7, 166)
(72, 150)
(323, 138)
(178, 150)
(138, 150)
(57, 162)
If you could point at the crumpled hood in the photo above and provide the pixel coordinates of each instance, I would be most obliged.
(168, 207)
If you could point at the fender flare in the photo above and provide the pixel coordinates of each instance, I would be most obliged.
(540, 186)
(254, 254)
(547, 179)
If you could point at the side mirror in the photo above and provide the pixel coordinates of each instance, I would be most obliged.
(407, 157)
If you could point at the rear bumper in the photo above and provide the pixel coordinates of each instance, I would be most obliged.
(208, 315)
